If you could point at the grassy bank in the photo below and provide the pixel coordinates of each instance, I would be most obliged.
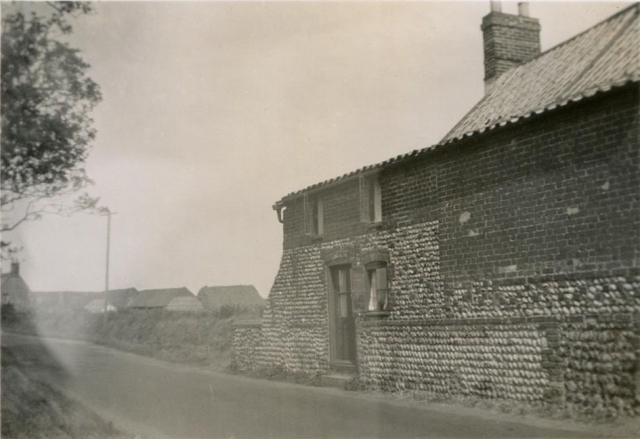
(193, 338)
(32, 409)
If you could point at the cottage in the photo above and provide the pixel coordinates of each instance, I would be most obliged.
(15, 290)
(501, 262)
(116, 300)
(120, 299)
(232, 295)
(97, 306)
(171, 299)
(186, 303)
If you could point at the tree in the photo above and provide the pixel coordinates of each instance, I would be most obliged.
(46, 128)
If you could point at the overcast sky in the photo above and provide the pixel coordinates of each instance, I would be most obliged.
(214, 111)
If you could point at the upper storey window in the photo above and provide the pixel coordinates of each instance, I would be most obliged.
(370, 199)
(313, 215)
(318, 217)
(375, 201)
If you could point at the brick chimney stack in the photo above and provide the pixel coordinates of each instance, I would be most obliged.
(15, 268)
(509, 40)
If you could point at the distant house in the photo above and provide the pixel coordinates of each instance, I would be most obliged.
(121, 298)
(116, 300)
(96, 306)
(242, 295)
(185, 303)
(171, 299)
(15, 290)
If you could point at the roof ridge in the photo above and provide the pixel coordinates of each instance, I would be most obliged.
(635, 5)
(604, 49)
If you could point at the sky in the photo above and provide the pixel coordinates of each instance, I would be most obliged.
(213, 111)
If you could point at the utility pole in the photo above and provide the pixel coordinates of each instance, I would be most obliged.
(106, 279)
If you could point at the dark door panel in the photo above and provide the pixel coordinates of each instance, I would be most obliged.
(344, 336)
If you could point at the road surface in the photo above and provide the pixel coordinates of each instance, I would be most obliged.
(160, 399)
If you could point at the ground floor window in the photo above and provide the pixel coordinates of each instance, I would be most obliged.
(378, 286)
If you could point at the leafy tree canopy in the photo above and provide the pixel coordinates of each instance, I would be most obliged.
(46, 98)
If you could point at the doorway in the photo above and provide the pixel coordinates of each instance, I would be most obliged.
(341, 315)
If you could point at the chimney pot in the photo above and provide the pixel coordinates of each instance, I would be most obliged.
(496, 6)
(523, 9)
(15, 268)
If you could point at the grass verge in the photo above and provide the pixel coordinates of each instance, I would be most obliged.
(202, 339)
(33, 409)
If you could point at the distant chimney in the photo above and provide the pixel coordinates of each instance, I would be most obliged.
(509, 40)
(15, 268)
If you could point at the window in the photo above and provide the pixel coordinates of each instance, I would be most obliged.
(377, 286)
(375, 201)
(318, 217)
(313, 216)
(370, 199)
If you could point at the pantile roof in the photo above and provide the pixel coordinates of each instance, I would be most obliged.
(121, 298)
(243, 295)
(158, 298)
(603, 57)
(185, 303)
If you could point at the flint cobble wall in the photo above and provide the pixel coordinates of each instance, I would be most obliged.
(601, 363)
(246, 338)
(498, 360)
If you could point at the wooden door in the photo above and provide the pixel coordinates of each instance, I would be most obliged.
(344, 328)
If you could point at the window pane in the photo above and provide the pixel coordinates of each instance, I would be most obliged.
(377, 201)
(335, 279)
(319, 218)
(382, 300)
(382, 277)
(344, 310)
(378, 288)
(373, 290)
(372, 202)
(314, 219)
(342, 280)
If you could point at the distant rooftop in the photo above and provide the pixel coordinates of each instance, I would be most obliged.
(604, 56)
(242, 295)
(158, 298)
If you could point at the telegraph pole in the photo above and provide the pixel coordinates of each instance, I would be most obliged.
(106, 278)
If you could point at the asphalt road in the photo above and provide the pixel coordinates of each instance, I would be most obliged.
(161, 399)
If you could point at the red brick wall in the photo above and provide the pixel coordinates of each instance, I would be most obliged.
(508, 41)
(559, 194)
